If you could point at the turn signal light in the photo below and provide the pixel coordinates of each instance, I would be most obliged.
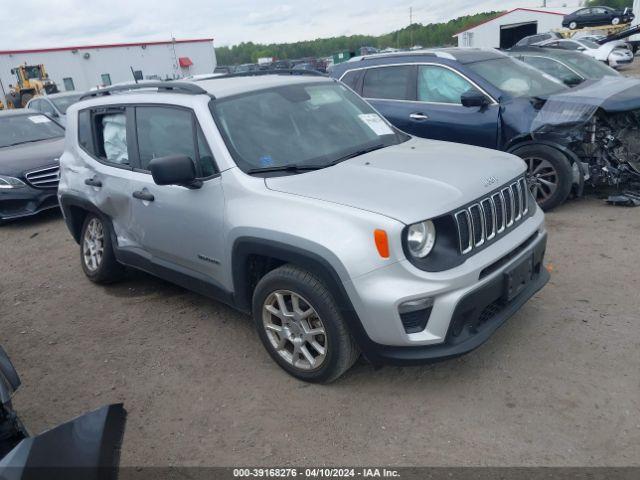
(382, 243)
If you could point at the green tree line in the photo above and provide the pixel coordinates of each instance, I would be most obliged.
(431, 35)
(618, 4)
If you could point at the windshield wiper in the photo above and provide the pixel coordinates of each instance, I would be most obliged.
(289, 167)
(28, 141)
(357, 153)
(296, 167)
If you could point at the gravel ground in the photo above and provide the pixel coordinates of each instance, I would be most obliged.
(557, 385)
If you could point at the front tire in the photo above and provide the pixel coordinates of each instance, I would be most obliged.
(549, 174)
(615, 21)
(96, 251)
(300, 325)
(573, 25)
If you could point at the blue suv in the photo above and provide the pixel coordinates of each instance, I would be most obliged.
(485, 98)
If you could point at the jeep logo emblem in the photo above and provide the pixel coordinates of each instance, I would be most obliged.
(488, 181)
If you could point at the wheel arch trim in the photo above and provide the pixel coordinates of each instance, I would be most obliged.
(246, 246)
(572, 157)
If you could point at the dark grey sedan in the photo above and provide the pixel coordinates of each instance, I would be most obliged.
(30, 146)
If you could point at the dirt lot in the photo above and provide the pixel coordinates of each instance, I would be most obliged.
(557, 385)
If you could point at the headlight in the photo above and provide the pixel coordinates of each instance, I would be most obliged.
(421, 237)
(10, 182)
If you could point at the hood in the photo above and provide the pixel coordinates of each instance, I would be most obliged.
(574, 106)
(413, 181)
(612, 94)
(28, 156)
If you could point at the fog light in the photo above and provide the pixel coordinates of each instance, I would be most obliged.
(415, 314)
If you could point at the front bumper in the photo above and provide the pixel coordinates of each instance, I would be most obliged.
(26, 201)
(468, 302)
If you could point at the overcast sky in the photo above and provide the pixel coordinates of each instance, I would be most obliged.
(46, 23)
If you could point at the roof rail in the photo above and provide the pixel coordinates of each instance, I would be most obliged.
(167, 87)
(257, 73)
(434, 52)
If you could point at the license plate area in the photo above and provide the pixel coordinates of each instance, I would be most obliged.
(517, 278)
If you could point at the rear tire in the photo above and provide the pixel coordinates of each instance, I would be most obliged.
(97, 257)
(300, 325)
(549, 174)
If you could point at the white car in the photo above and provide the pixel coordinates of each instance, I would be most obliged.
(615, 54)
(55, 105)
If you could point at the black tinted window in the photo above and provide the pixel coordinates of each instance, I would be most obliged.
(205, 156)
(84, 131)
(388, 82)
(350, 79)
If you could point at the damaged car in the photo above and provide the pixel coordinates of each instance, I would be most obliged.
(87, 447)
(569, 138)
(571, 68)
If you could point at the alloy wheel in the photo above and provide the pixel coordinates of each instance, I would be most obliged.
(93, 245)
(295, 330)
(542, 178)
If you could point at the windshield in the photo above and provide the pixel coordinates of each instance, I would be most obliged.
(516, 78)
(62, 103)
(33, 72)
(591, 67)
(589, 44)
(309, 125)
(17, 129)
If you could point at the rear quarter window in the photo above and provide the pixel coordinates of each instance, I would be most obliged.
(84, 132)
(351, 79)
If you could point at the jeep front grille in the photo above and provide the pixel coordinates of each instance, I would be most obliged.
(490, 216)
(47, 177)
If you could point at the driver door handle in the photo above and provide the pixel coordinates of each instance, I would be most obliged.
(144, 195)
(418, 116)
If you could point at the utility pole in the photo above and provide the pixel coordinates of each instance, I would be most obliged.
(410, 24)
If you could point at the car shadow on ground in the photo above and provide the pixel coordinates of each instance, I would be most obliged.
(41, 219)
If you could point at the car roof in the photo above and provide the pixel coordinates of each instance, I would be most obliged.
(550, 52)
(226, 86)
(62, 94)
(461, 55)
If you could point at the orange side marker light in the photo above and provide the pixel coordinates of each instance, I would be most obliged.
(382, 242)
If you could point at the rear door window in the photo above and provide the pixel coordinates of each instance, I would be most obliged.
(392, 83)
(102, 133)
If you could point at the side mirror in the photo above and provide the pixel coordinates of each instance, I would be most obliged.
(174, 170)
(473, 98)
(572, 82)
(54, 115)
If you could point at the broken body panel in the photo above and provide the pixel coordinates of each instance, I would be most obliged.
(87, 447)
(597, 125)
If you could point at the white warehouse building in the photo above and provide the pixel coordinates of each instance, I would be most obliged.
(506, 29)
(83, 67)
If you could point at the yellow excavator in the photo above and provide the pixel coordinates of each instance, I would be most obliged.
(32, 80)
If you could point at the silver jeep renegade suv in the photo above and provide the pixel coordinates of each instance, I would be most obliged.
(291, 199)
